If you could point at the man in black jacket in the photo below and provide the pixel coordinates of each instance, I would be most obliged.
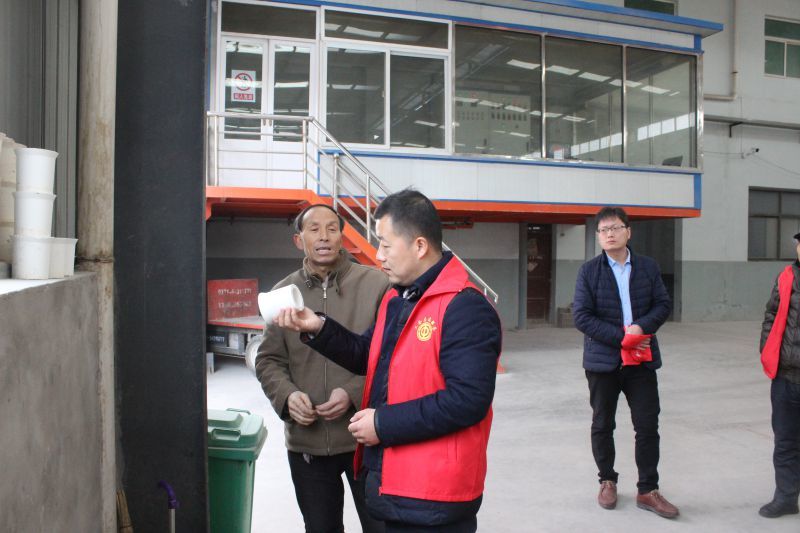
(785, 392)
(619, 293)
(424, 456)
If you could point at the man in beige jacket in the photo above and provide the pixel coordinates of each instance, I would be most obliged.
(313, 396)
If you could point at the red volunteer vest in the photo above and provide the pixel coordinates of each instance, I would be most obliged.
(771, 354)
(451, 468)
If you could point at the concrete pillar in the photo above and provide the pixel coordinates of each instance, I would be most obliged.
(95, 220)
(591, 238)
(522, 317)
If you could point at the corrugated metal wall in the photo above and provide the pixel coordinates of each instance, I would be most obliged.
(38, 88)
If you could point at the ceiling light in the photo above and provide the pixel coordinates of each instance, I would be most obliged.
(523, 64)
(592, 76)
(562, 70)
(656, 90)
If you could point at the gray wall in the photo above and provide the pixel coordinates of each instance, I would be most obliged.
(49, 407)
(38, 88)
(263, 249)
(717, 290)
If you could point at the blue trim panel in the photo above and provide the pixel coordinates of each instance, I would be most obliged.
(544, 163)
(520, 202)
(604, 8)
(698, 191)
(523, 27)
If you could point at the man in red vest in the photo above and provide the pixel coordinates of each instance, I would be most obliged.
(780, 356)
(430, 361)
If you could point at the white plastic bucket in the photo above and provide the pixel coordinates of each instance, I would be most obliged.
(31, 257)
(6, 230)
(33, 213)
(6, 201)
(36, 169)
(8, 161)
(62, 257)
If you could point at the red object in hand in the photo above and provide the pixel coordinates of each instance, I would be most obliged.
(631, 353)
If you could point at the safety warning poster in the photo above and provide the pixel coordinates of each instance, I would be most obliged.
(244, 86)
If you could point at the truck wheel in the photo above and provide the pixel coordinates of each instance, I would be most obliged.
(250, 352)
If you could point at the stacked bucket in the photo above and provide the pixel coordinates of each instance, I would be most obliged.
(8, 183)
(35, 253)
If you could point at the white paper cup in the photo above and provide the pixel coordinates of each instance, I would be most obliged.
(33, 213)
(36, 169)
(270, 303)
(62, 257)
(31, 257)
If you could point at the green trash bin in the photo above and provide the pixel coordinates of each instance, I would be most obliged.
(235, 438)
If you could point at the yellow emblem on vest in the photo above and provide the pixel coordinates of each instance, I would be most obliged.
(425, 329)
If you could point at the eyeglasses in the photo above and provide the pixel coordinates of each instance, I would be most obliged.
(611, 229)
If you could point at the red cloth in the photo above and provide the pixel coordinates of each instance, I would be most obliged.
(631, 355)
(450, 468)
(771, 354)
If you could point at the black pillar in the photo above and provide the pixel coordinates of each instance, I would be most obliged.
(159, 235)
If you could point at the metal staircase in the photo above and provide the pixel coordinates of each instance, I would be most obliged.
(299, 153)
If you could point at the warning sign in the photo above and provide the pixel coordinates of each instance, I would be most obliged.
(244, 86)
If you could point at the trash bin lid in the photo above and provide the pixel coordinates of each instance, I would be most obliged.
(235, 434)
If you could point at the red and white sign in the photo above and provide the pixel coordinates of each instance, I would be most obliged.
(244, 86)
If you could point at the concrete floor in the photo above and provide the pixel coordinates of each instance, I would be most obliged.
(716, 441)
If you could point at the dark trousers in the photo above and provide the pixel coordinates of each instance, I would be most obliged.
(786, 426)
(320, 492)
(640, 386)
(468, 525)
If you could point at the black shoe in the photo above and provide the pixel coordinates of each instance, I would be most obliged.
(776, 508)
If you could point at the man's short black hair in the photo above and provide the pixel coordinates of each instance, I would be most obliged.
(413, 215)
(612, 211)
(298, 220)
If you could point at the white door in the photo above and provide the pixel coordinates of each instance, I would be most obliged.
(264, 76)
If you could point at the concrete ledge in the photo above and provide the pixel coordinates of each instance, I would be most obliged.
(7, 286)
(50, 405)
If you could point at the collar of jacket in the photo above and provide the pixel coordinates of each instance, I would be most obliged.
(338, 272)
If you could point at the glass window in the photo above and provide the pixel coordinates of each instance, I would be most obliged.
(355, 95)
(583, 100)
(783, 29)
(793, 60)
(773, 57)
(243, 88)
(391, 30)
(790, 204)
(417, 102)
(660, 101)
(291, 89)
(762, 238)
(764, 203)
(789, 228)
(659, 6)
(774, 220)
(782, 48)
(498, 96)
(269, 20)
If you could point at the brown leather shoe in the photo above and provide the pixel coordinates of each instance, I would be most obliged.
(654, 501)
(608, 494)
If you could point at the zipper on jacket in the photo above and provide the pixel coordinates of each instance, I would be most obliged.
(325, 365)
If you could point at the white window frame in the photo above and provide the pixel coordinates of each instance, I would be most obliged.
(389, 49)
(784, 42)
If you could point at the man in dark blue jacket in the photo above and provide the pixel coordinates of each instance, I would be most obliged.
(429, 430)
(616, 293)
